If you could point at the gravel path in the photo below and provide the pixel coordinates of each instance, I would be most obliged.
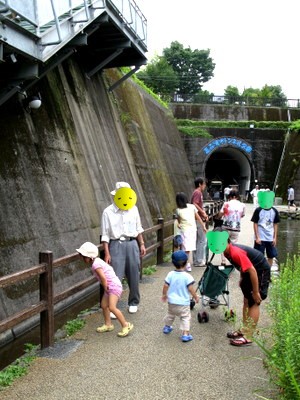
(148, 364)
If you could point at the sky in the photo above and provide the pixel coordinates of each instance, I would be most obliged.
(252, 42)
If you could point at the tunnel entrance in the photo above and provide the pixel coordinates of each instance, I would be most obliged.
(231, 166)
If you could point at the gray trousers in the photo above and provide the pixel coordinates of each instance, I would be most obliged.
(200, 253)
(125, 260)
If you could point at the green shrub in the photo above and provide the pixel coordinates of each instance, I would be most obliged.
(194, 131)
(149, 270)
(283, 348)
(18, 368)
(73, 326)
(232, 124)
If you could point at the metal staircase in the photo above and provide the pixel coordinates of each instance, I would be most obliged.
(37, 35)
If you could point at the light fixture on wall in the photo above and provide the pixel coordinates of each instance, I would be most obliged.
(34, 102)
(13, 58)
(30, 102)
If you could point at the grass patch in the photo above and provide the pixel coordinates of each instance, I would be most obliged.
(74, 325)
(149, 270)
(168, 257)
(19, 368)
(282, 341)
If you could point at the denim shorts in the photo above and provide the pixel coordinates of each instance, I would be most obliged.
(267, 247)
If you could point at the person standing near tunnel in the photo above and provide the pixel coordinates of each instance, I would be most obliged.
(232, 212)
(197, 200)
(254, 193)
(122, 238)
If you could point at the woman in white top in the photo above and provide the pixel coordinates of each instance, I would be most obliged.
(186, 215)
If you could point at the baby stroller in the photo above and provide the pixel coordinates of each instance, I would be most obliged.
(214, 291)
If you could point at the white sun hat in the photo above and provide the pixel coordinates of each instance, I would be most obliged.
(88, 249)
(120, 185)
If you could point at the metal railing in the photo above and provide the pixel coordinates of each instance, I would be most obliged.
(58, 21)
(45, 271)
(238, 101)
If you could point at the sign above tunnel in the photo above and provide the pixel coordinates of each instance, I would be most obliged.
(226, 142)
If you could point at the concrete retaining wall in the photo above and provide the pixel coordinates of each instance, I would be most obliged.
(58, 165)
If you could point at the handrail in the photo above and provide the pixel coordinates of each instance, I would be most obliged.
(245, 101)
(45, 307)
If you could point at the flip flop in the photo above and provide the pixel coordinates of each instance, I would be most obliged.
(241, 341)
(234, 334)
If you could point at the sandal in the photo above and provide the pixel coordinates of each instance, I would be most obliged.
(105, 328)
(241, 341)
(235, 334)
(124, 332)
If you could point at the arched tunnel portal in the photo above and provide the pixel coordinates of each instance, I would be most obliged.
(231, 166)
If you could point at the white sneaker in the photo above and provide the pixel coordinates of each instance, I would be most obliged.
(188, 267)
(132, 309)
(112, 316)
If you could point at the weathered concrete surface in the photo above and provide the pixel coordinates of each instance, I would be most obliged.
(58, 165)
(149, 365)
(218, 112)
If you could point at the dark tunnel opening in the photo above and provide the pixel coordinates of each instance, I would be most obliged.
(231, 167)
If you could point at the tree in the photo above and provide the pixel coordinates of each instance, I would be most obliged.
(193, 68)
(160, 77)
(267, 96)
(232, 94)
(273, 96)
(203, 96)
(252, 96)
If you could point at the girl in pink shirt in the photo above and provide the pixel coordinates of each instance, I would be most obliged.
(112, 288)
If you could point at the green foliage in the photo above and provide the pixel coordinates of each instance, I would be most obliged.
(233, 124)
(194, 131)
(18, 368)
(160, 77)
(179, 71)
(74, 325)
(149, 270)
(295, 125)
(232, 94)
(193, 67)
(230, 315)
(283, 347)
(145, 88)
(203, 96)
(199, 128)
(268, 95)
(168, 256)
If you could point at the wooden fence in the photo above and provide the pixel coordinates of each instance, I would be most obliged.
(44, 270)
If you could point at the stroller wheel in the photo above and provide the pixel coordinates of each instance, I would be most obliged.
(199, 316)
(192, 304)
(205, 316)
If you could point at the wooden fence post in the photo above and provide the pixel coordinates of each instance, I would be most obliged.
(160, 238)
(46, 294)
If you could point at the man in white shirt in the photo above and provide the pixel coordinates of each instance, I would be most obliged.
(291, 198)
(254, 195)
(123, 244)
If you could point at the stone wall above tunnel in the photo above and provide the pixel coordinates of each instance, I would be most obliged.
(264, 158)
